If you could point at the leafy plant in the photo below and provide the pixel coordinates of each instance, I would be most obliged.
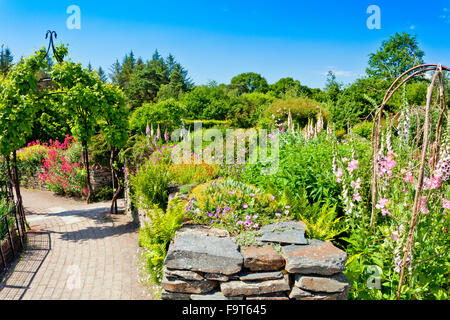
(157, 234)
(322, 222)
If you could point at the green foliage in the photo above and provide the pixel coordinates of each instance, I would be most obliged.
(143, 81)
(155, 236)
(302, 165)
(83, 97)
(301, 110)
(99, 150)
(150, 185)
(104, 193)
(322, 221)
(5, 207)
(73, 152)
(396, 55)
(166, 114)
(249, 82)
(205, 102)
(288, 88)
(247, 238)
(6, 59)
(364, 129)
(246, 109)
(208, 123)
(19, 102)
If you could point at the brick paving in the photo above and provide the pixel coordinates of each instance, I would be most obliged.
(75, 251)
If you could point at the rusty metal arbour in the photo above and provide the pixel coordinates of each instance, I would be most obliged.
(434, 154)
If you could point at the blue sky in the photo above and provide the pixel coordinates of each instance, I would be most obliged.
(216, 40)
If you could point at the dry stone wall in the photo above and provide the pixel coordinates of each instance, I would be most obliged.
(205, 263)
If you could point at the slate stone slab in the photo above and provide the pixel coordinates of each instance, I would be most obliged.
(216, 277)
(298, 294)
(338, 283)
(186, 286)
(182, 274)
(252, 276)
(283, 225)
(285, 232)
(202, 230)
(319, 257)
(253, 288)
(209, 254)
(262, 258)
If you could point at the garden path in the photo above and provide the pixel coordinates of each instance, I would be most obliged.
(75, 251)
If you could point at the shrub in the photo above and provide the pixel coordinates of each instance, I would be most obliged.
(166, 114)
(364, 129)
(155, 236)
(301, 110)
(150, 184)
(60, 174)
(30, 159)
(245, 110)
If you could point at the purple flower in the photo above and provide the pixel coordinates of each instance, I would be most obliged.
(252, 194)
(245, 206)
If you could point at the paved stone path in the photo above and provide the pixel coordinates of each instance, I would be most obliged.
(75, 251)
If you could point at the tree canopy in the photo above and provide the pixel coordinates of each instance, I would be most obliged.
(396, 55)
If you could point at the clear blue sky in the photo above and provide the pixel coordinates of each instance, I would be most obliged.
(216, 40)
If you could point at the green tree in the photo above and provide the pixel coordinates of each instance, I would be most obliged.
(396, 55)
(332, 87)
(6, 59)
(83, 99)
(19, 103)
(102, 75)
(249, 82)
(114, 125)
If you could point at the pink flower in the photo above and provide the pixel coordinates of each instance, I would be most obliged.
(353, 165)
(245, 206)
(272, 197)
(344, 160)
(338, 175)
(423, 205)
(278, 214)
(356, 184)
(446, 204)
(381, 203)
(409, 178)
(240, 222)
(385, 212)
(395, 236)
(357, 197)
